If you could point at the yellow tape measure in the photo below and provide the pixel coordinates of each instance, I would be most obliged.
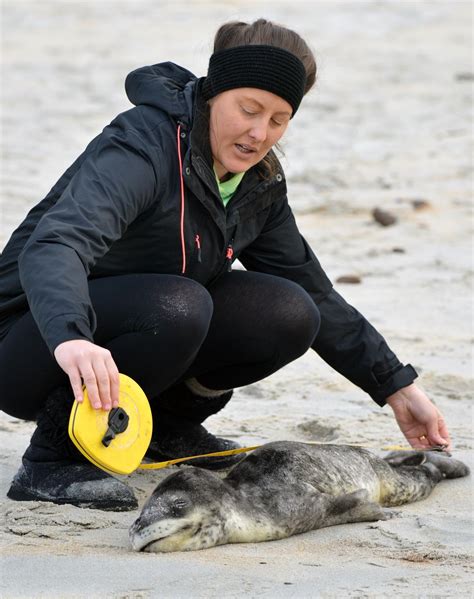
(117, 440)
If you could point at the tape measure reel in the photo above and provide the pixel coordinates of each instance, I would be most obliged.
(115, 441)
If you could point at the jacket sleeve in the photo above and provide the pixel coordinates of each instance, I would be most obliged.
(346, 340)
(114, 184)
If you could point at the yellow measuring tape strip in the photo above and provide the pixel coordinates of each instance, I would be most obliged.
(167, 463)
(158, 465)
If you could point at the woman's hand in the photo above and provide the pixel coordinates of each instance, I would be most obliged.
(419, 420)
(86, 362)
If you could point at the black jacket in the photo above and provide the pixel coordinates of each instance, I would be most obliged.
(117, 210)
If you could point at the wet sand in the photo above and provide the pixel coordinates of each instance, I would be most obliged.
(388, 126)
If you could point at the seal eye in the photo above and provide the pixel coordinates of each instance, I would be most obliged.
(178, 507)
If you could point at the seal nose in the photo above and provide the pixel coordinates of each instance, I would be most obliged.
(133, 529)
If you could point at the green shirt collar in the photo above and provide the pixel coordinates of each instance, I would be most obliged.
(228, 188)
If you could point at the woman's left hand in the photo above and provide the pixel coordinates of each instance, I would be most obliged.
(418, 418)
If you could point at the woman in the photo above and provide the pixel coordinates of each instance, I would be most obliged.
(126, 265)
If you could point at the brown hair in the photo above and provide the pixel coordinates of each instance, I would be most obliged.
(261, 31)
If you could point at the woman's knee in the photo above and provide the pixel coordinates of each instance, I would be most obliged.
(182, 308)
(276, 311)
(191, 311)
(299, 320)
(160, 305)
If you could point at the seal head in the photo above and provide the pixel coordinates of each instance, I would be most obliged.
(182, 514)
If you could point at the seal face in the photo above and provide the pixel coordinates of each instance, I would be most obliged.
(281, 489)
(186, 510)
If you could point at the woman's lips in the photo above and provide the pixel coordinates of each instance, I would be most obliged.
(244, 149)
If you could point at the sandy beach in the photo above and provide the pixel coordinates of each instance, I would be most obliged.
(388, 126)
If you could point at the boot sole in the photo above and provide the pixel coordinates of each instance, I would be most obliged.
(17, 493)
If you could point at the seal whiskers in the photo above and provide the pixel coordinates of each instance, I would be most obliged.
(282, 489)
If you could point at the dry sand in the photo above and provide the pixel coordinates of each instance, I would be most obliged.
(389, 123)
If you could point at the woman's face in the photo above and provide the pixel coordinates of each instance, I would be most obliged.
(244, 125)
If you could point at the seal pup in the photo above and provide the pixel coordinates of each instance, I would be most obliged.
(281, 489)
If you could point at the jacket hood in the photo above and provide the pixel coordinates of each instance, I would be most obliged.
(166, 86)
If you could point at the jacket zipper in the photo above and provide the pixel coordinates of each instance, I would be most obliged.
(229, 253)
(197, 239)
(179, 135)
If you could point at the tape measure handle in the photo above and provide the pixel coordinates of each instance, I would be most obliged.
(117, 423)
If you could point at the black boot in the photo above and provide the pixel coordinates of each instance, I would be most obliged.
(54, 470)
(178, 432)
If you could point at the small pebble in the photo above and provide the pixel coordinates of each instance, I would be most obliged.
(398, 250)
(351, 279)
(383, 217)
(420, 204)
(464, 76)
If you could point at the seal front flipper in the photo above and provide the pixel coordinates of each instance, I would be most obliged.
(352, 507)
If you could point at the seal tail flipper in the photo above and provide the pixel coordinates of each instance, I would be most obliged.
(448, 466)
(353, 507)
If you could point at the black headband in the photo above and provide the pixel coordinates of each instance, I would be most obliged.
(265, 67)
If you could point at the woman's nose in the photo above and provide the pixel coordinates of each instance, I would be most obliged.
(258, 132)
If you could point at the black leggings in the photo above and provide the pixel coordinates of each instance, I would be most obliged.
(163, 329)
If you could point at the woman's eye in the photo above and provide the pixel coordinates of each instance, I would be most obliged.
(278, 123)
(247, 111)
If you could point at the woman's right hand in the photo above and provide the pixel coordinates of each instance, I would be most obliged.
(91, 365)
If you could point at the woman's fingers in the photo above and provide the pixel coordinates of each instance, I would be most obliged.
(419, 442)
(443, 429)
(433, 433)
(114, 381)
(87, 363)
(102, 383)
(90, 381)
(76, 384)
(418, 418)
(438, 432)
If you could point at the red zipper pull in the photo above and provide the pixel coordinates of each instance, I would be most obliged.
(229, 253)
(197, 239)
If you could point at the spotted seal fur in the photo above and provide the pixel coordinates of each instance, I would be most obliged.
(281, 489)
